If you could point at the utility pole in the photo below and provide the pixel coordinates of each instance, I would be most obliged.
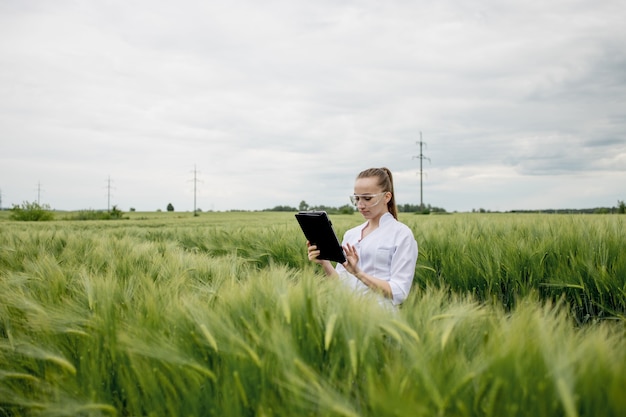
(109, 193)
(195, 181)
(195, 187)
(38, 193)
(421, 157)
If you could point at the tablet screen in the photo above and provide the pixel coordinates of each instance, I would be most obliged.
(319, 231)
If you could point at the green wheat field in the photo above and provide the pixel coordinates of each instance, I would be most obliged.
(167, 314)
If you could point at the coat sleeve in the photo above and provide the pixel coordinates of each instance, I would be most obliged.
(403, 267)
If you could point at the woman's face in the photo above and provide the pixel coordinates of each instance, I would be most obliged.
(372, 201)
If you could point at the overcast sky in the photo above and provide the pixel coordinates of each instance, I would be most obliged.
(521, 104)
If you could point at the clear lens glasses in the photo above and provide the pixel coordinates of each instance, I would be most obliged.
(367, 200)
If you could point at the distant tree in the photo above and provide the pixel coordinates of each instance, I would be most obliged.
(281, 208)
(116, 213)
(303, 206)
(346, 209)
(416, 208)
(621, 207)
(170, 207)
(131, 209)
(31, 212)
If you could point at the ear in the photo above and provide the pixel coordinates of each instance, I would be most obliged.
(388, 196)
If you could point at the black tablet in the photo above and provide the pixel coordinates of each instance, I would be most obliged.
(319, 231)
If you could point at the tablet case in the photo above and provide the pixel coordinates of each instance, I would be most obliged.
(319, 231)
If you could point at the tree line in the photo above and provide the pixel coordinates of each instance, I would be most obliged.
(349, 209)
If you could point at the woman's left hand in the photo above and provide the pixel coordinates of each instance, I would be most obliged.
(352, 259)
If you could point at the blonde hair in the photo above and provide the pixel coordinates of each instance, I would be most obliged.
(385, 181)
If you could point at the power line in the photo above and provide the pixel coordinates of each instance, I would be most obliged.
(421, 157)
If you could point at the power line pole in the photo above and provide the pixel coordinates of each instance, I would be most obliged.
(195, 181)
(38, 193)
(421, 157)
(195, 187)
(109, 193)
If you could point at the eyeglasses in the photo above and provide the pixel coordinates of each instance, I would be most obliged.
(366, 199)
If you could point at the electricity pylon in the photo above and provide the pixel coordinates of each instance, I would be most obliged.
(421, 157)
(109, 193)
(195, 187)
(39, 193)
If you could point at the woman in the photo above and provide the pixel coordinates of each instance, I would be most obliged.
(380, 253)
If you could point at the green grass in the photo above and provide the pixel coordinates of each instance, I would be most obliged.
(222, 315)
(505, 257)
